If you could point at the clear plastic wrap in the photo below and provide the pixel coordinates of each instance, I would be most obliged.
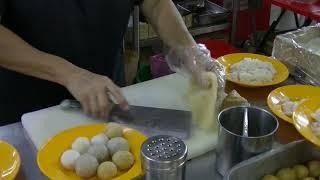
(195, 60)
(206, 91)
(300, 52)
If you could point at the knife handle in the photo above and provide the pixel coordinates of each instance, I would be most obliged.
(69, 104)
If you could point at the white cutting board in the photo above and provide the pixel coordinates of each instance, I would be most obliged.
(165, 92)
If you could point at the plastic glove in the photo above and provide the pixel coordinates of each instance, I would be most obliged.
(195, 60)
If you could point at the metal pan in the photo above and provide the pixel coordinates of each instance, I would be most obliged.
(298, 152)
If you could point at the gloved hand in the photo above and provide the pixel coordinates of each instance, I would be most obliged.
(195, 60)
(95, 92)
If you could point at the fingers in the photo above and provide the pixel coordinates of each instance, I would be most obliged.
(118, 96)
(104, 104)
(94, 105)
(94, 108)
(95, 97)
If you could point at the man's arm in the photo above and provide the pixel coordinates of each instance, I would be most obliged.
(18, 55)
(167, 21)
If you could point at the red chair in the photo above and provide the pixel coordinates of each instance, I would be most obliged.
(308, 8)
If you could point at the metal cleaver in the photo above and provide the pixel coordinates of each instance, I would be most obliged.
(149, 120)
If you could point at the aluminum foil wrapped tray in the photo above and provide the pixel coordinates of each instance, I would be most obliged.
(300, 51)
(255, 168)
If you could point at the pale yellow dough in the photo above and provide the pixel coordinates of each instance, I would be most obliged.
(203, 102)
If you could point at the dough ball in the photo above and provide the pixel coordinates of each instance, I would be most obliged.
(309, 178)
(99, 151)
(286, 174)
(81, 144)
(314, 168)
(117, 144)
(123, 159)
(113, 130)
(301, 171)
(270, 177)
(68, 159)
(107, 170)
(86, 166)
(100, 139)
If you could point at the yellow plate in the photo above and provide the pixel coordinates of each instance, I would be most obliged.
(294, 93)
(230, 59)
(302, 119)
(49, 155)
(9, 161)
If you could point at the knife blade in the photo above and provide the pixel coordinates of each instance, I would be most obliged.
(150, 120)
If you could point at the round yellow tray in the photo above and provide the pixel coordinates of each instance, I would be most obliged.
(230, 59)
(9, 161)
(49, 155)
(294, 93)
(302, 119)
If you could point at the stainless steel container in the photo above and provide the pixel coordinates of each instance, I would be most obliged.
(240, 139)
(209, 13)
(163, 158)
(299, 152)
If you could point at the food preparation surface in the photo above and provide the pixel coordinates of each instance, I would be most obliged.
(165, 92)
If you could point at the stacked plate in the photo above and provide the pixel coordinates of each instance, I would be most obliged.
(309, 103)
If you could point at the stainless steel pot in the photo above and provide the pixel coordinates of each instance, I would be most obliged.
(244, 132)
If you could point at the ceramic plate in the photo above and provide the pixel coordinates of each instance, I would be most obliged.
(49, 155)
(302, 119)
(230, 59)
(9, 161)
(294, 93)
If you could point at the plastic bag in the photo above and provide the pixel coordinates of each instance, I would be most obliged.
(193, 61)
(300, 51)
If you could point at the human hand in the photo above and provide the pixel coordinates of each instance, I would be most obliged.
(95, 92)
(193, 62)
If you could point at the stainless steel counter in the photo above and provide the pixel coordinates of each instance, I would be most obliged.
(14, 134)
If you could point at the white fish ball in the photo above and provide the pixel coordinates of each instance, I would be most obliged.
(68, 159)
(81, 144)
(117, 144)
(99, 151)
(86, 166)
(100, 139)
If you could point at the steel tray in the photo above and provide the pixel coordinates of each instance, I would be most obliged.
(255, 168)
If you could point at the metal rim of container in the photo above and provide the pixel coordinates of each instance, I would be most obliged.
(253, 107)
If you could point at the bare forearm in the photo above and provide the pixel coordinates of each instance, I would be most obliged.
(167, 21)
(17, 55)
